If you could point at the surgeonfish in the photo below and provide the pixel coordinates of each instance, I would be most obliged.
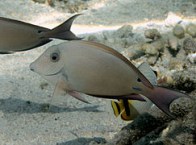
(95, 69)
(20, 36)
(130, 109)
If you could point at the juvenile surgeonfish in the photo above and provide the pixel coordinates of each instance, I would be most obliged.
(130, 109)
(97, 70)
(20, 36)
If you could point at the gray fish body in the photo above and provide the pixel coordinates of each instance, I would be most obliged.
(17, 36)
(95, 72)
(20, 36)
(90, 70)
(98, 70)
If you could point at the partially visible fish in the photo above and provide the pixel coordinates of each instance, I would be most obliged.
(130, 109)
(20, 36)
(97, 70)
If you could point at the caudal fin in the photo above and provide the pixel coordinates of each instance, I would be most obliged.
(163, 97)
(63, 30)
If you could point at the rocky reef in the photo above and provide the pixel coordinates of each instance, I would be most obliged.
(172, 56)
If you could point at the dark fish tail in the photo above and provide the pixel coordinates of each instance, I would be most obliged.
(163, 97)
(63, 30)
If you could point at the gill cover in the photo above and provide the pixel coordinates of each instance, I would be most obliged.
(49, 63)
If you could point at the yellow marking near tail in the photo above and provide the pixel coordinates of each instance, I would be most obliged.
(125, 109)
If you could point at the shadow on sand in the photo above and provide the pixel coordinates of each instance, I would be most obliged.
(83, 141)
(13, 105)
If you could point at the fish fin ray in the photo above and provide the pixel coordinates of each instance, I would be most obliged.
(77, 96)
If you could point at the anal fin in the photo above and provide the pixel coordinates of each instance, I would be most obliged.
(135, 97)
(77, 96)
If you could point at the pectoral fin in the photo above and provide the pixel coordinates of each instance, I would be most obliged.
(60, 89)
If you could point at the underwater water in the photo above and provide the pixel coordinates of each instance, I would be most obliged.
(160, 33)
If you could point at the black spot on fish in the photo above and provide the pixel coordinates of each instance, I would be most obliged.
(139, 80)
(39, 31)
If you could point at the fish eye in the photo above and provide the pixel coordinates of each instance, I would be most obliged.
(54, 57)
(39, 31)
(139, 80)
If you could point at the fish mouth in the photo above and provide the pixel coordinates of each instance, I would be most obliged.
(32, 68)
(52, 74)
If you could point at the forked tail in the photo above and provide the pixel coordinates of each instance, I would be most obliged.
(163, 97)
(63, 30)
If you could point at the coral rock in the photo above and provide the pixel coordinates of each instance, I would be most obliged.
(133, 52)
(152, 34)
(189, 45)
(178, 31)
(191, 30)
(124, 32)
(173, 43)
